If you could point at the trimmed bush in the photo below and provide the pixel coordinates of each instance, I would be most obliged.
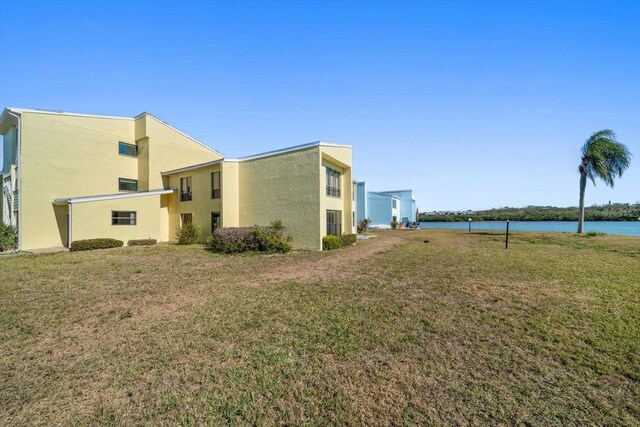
(142, 242)
(187, 234)
(91, 244)
(250, 239)
(334, 242)
(331, 242)
(8, 237)
(394, 224)
(348, 239)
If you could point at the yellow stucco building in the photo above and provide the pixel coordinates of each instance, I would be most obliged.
(70, 176)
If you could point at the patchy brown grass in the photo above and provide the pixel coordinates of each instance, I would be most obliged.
(391, 331)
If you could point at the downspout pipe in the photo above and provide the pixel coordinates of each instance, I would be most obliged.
(18, 177)
(70, 225)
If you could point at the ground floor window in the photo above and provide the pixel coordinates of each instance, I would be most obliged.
(334, 222)
(125, 184)
(186, 219)
(123, 217)
(215, 220)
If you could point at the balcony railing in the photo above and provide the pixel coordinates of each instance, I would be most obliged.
(185, 196)
(333, 191)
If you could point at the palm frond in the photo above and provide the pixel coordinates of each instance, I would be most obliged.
(604, 157)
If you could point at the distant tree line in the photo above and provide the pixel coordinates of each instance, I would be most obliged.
(608, 212)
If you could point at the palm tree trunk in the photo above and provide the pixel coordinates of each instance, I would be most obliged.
(583, 186)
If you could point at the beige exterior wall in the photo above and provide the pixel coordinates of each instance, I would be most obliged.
(74, 156)
(337, 158)
(200, 207)
(167, 149)
(64, 156)
(283, 187)
(289, 186)
(93, 219)
(230, 194)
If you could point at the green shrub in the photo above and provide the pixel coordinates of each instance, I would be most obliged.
(187, 234)
(348, 239)
(142, 242)
(91, 244)
(8, 236)
(394, 224)
(363, 225)
(250, 239)
(331, 242)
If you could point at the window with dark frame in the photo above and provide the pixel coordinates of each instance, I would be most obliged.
(125, 184)
(123, 218)
(125, 149)
(334, 223)
(333, 183)
(215, 221)
(395, 203)
(215, 185)
(186, 219)
(185, 189)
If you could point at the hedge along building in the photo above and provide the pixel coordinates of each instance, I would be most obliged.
(70, 176)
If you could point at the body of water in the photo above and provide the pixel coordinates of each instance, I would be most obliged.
(628, 228)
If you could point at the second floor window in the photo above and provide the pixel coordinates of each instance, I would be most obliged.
(125, 149)
(333, 183)
(395, 204)
(125, 184)
(215, 185)
(185, 189)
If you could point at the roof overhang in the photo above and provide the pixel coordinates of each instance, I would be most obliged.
(103, 197)
(192, 167)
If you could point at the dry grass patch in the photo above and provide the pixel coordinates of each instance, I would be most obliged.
(391, 331)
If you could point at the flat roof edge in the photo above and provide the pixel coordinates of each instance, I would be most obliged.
(102, 197)
(192, 167)
(288, 150)
(64, 113)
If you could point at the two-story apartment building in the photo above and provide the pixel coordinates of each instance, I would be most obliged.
(384, 207)
(70, 176)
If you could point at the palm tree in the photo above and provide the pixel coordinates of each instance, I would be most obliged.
(602, 157)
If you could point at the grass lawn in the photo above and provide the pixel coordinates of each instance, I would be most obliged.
(391, 331)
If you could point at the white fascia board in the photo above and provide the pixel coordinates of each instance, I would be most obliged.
(193, 167)
(287, 150)
(102, 197)
(397, 191)
(65, 113)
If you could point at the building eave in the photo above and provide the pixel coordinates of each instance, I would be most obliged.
(103, 197)
(287, 150)
(192, 167)
(64, 113)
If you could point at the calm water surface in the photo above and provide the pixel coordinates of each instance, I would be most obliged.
(628, 228)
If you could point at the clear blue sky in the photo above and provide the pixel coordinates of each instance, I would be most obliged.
(473, 105)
